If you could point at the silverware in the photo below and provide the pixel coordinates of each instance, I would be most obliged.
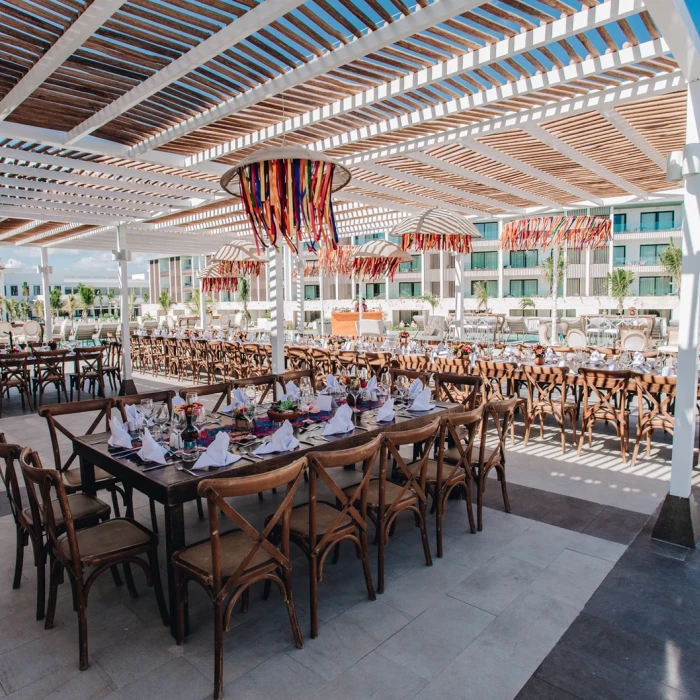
(184, 469)
(157, 466)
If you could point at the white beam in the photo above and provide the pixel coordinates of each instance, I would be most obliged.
(633, 136)
(44, 202)
(596, 100)
(419, 20)
(560, 29)
(43, 215)
(29, 196)
(546, 137)
(525, 86)
(234, 33)
(20, 229)
(481, 179)
(523, 167)
(45, 271)
(46, 234)
(44, 210)
(438, 187)
(69, 42)
(343, 195)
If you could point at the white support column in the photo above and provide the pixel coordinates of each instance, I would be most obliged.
(122, 255)
(442, 274)
(565, 253)
(587, 259)
(276, 292)
(459, 295)
(320, 298)
(202, 296)
(500, 260)
(611, 251)
(300, 291)
(679, 521)
(46, 271)
(554, 335)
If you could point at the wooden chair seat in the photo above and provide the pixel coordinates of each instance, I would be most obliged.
(431, 470)
(392, 491)
(108, 538)
(326, 513)
(82, 507)
(235, 546)
(73, 481)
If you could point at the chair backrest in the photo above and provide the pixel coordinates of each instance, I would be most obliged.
(457, 388)
(412, 477)
(295, 375)
(5, 329)
(89, 360)
(297, 358)
(412, 374)
(31, 329)
(370, 326)
(413, 362)
(601, 388)
(516, 325)
(14, 367)
(216, 491)
(656, 399)
(266, 383)
(461, 429)
(165, 397)
(544, 332)
(493, 452)
(541, 385)
(576, 338)
(53, 414)
(223, 389)
(672, 335)
(319, 464)
(378, 362)
(49, 482)
(107, 329)
(497, 378)
(84, 331)
(9, 454)
(633, 340)
(50, 363)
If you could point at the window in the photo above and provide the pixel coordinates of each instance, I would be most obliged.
(491, 287)
(37, 289)
(657, 220)
(619, 254)
(57, 286)
(435, 261)
(573, 256)
(14, 290)
(451, 260)
(620, 223)
(573, 286)
(599, 286)
(654, 286)
(523, 288)
(601, 256)
(523, 258)
(359, 240)
(489, 230)
(649, 254)
(409, 289)
(331, 290)
(311, 291)
(413, 266)
(485, 261)
(435, 288)
(375, 289)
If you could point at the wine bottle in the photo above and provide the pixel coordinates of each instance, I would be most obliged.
(190, 436)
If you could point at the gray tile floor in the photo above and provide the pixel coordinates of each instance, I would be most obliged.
(475, 625)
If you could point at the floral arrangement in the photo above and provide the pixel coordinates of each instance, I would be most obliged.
(188, 409)
(538, 350)
(404, 335)
(336, 340)
(463, 351)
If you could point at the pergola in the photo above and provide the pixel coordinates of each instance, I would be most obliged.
(118, 117)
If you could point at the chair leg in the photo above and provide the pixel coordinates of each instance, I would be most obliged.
(154, 517)
(158, 587)
(115, 576)
(437, 507)
(424, 535)
(313, 595)
(504, 491)
(291, 610)
(218, 651)
(40, 561)
(180, 595)
(82, 630)
(470, 510)
(54, 575)
(115, 503)
(19, 556)
(131, 587)
(200, 510)
(366, 567)
(381, 538)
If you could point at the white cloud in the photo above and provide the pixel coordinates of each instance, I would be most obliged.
(13, 262)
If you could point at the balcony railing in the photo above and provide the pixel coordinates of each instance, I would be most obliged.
(648, 228)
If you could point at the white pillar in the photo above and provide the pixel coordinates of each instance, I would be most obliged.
(500, 260)
(122, 256)
(587, 259)
(300, 290)
(459, 295)
(320, 297)
(276, 291)
(202, 296)
(46, 271)
(611, 252)
(554, 335)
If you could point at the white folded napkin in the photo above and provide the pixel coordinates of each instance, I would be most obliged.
(341, 422)
(386, 412)
(120, 435)
(281, 441)
(422, 401)
(371, 385)
(549, 354)
(217, 454)
(150, 450)
(415, 388)
(347, 345)
(136, 417)
(613, 366)
(240, 399)
(638, 359)
(292, 391)
(667, 372)
(332, 385)
(595, 356)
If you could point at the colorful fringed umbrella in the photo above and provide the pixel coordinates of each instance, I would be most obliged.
(436, 229)
(336, 261)
(286, 193)
(239, 258)
(379, 258)
(213, 280)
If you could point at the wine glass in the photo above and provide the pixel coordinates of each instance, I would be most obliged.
(625, 360)
(191, 397)
(146, 408)
(402, 386)
(305, 388)
(355, 390)
(161, 417)
(252, 394)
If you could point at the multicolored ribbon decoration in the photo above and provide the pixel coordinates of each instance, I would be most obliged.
(219, 284)
(375, 268)
(583, 232)
(336, 261)
(240, 267)
(456, 243)
(291, 199)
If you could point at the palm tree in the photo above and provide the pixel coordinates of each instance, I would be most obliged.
(431, 299)
(244, 296)
(55, 301)
(86, 299)
(165, 301)
(99, 300)
(110, 302)
(145, 296)
(132, 303)
(70, 305)
(196, 299)
(619, 283)
(25, 292)
(548, 265)
(527, 303)
(672, 261)
(38, 308)
(481, 292)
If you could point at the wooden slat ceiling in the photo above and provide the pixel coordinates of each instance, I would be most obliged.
(77, 184)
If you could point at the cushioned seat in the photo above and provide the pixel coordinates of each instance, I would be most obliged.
(325, 517)
(108, 538)
(72, 480)
(82, 507)
(234, 547)
(391, 492)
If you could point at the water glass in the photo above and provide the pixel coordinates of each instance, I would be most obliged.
(191, 397)
(146, 408)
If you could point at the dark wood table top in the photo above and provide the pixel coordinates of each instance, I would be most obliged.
(171, 484)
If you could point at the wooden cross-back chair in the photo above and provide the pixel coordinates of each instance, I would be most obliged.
(111, 366)
(547, 389)
(318, 527)
(499, 384)
(216, 361)
(378, 363)
(49, 370)
(656, 404)
(405, 491)
(172, 364)
(417, 363)
(100, 547)
(295, 375)
(55, 416)
(605, 398)
(297, 357)
(227, 564)
(256, 359)
(266, 386)
(412, 374)
(347, 360)
(199, 360)
(222, 390)
(452, 365)
(457, 388)
(88, 368)
(14, 374)
(322, 362)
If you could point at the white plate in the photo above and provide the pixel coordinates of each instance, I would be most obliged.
(421, 410)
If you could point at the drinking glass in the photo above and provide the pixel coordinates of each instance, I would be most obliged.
(305, 387)
(191, 397)
(625, 360)
(402, 386)
(146, 408)
(252, 394)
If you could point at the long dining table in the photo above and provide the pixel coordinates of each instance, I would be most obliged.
(175, 483)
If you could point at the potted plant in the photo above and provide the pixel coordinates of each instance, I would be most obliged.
(463, 352)
(241, 415)
(283, 410)
(538, 352)
(403, 337)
